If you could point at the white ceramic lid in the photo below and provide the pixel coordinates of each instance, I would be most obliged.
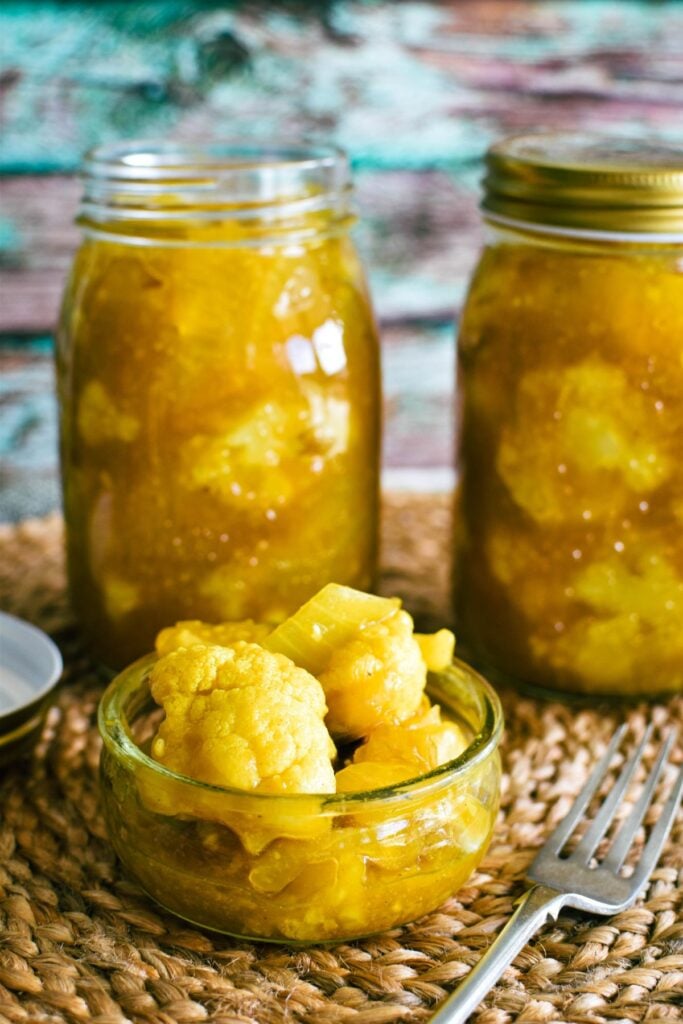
(30, 665)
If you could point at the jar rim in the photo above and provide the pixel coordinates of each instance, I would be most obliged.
(146, 191)
(234, 170)
(162, 159)
(112, 724)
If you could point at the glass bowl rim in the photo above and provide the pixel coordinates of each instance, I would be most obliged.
(118, 740)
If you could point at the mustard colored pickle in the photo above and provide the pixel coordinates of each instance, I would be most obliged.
(303, 867)
(569, 535)
(218, 379)
(236, 793)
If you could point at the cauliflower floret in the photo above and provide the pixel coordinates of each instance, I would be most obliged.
(120, 596)
(243, 465)
(316, 889)
(99, 420)
(582, 440)
(261, 459)
(422, 743)
(377, 677)
(242, 717)
(192, 632)
(602, 652)
(641, 581)
(520, 561)
(636, 618)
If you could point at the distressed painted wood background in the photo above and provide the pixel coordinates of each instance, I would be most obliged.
(415, 91)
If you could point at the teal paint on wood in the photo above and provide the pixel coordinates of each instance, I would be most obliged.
(408, 87)
(12, 241)
(412, 84)
(28, 434)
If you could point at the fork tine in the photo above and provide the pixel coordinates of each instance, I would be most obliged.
(561, 834)
(628, 828)
(658, 835)
(602, 821)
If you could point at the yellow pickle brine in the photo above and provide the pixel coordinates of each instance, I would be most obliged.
(569, 558)
(244, 794)
(218, 379)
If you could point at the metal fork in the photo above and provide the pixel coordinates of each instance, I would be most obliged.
(572, 880)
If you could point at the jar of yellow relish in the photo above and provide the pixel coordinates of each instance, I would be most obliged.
(218, 378)
(569, 535)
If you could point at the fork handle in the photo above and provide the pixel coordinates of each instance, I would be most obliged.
(533, 910)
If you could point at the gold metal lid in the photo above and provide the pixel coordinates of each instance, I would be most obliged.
(586, 183)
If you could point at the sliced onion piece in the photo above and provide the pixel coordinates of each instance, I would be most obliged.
(331, 618)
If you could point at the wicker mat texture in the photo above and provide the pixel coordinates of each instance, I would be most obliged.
(79, 942)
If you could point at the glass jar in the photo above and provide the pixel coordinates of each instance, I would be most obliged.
(299, 868)
(218, 378)
(569, 535)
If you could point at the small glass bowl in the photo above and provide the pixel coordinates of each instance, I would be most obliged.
(299, 868)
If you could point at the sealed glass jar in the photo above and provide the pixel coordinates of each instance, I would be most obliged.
(569, 536)
(218, 379)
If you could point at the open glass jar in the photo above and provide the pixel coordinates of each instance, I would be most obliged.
(569, 537)
(299, 868)
(218, 378)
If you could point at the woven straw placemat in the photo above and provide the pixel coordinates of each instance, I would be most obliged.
(79, 941)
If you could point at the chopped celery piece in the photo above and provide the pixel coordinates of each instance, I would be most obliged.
(331, 618)
(437, 649)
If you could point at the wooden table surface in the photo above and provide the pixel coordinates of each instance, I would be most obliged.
(415, 91)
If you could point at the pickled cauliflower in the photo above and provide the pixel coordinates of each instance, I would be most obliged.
(581, 438)
(634, 626)
(243, 464)
(377, 677)
(241, 717)
(253, 461)
(100, 420)
(395, 753)
(245, 710)
(421, 743)
(192, 631)
(120, 596)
